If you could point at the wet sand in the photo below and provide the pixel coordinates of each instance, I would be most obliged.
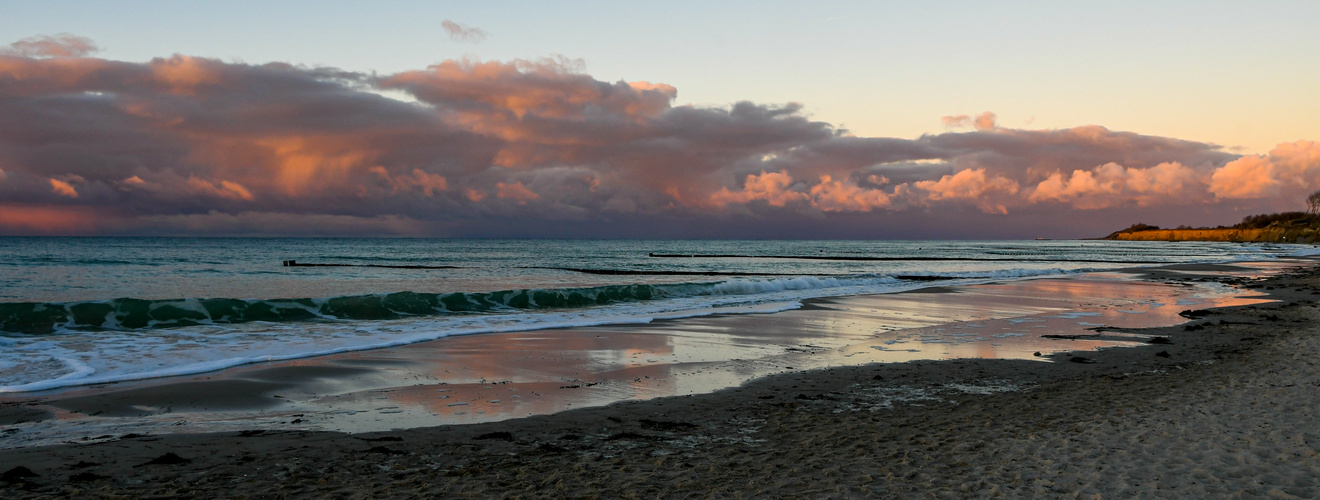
(483, 378)
(1183, 413)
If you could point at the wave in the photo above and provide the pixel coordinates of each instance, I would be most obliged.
(62, 368)
(36, 318)
(138, 314)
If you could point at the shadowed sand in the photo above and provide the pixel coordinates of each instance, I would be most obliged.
(1219, 407)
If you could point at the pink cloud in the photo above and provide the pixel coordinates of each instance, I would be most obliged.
(834, 196)
(1085, 188)
(1246, 177)
(185, 75)
(1111, 185)
(1290, 169)
(63, 188)
(770, 187)
(972, 185)
(1297, 163)
(1169, 180)
(983, 121)
(662, 88)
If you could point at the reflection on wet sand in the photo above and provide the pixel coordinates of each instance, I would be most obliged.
(499, 376)
(493, 377)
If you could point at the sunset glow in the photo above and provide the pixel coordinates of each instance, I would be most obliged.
(179, 144)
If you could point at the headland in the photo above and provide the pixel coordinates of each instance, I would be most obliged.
(1288, 227)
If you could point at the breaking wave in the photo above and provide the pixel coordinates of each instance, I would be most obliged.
(35, 318)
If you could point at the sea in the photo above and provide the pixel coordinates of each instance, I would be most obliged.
(79, 311)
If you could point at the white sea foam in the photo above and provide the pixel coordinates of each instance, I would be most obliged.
(114, 357)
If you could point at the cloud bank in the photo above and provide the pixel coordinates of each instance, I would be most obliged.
(188, 145)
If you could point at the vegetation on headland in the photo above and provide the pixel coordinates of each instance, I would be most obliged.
(1286, 227)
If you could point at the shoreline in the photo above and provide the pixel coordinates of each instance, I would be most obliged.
(480, 378)
(126, 356)
(829, 431)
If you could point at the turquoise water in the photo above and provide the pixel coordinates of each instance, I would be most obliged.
(88, 310)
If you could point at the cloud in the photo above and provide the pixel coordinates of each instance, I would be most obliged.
(954, 121)
(221, 189)
(461, 33)
(835, 196)
(429, 184)
(1164, 182)
(61, 45)
(972, 185)
(535, 146)
(1297, 163)
(1111, 185)
(48, 221)
(1291, 168)
(515, 191)
(770, 187)
(63, 188)
(983, 121)
(281, 224)
(1086, 189)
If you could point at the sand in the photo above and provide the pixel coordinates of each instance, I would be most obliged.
(1224, 406)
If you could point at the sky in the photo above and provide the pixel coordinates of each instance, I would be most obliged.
(682, 119)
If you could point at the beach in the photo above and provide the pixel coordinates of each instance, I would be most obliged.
(1222, 405)
(436, 250)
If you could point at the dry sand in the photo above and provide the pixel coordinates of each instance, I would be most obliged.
(1226, 407)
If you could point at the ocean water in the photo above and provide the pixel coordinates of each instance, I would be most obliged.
(77, 311)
